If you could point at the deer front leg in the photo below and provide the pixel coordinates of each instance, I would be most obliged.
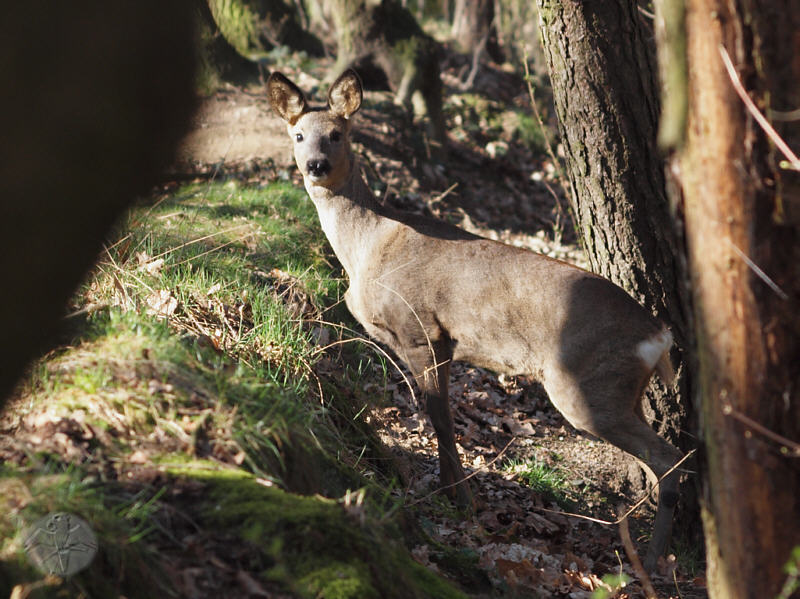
(431, 367)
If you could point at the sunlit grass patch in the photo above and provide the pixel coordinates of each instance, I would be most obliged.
(546, 480)
(240, 267)
(133, 385)
(205, 320)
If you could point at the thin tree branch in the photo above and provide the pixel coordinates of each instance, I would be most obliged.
(632, 509)
(761, 274)
(469, 476)
(633, 557)
(773, 135)
(729, 410)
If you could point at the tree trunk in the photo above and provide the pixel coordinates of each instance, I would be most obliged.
(220, 61)
(604, 85)
(743, 237)
(259, 25)
(385, 44)
(101, 99)
(473, 27)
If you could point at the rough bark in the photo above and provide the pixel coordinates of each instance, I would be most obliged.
(605, 94)
(741, 211)
(604, 85)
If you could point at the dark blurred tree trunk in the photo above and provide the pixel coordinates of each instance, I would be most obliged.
(603, 77)
(741, 213)
(101, 99)
(474, 27)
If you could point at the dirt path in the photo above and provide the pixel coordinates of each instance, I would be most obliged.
(236, 127)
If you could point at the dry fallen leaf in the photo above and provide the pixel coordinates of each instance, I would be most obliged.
(161, 303)
(250, 585)
(515, 573)
(148, 265)
(138, 457)
(153, 267)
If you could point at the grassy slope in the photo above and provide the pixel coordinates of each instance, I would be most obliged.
(186, 422)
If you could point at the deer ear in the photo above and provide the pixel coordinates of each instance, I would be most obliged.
(286, 98)
(344, 96)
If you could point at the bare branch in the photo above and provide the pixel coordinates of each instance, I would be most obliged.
(761, 274)
(729, 410)
(773, 135)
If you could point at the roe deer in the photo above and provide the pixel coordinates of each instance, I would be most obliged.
(435, 293)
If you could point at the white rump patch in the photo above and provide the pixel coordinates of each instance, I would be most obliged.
(651, 349)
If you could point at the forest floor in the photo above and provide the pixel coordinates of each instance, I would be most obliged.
(535, 479)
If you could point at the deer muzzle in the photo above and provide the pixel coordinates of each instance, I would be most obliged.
(318, 168)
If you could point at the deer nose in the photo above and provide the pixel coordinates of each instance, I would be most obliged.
(318, 168)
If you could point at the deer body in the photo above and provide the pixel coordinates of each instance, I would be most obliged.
(435, 293)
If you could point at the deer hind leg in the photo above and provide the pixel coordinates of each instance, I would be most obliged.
(635, 437)
(431, 367)
(612, 412)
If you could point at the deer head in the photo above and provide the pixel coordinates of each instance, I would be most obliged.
(320, 135)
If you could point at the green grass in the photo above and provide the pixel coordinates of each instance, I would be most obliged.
(529, 132)
(690, 556)
(546, 480)
(195, 341)
(216, 258)
(615, 582)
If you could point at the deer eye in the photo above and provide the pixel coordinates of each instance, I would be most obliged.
(299, 137)
(335, 136)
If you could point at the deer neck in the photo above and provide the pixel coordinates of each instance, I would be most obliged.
(351, 219)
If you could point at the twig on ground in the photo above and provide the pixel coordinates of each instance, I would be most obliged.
(633, 557)
(380, 350)
(88, 309)
(445, 193)
(199, 239)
